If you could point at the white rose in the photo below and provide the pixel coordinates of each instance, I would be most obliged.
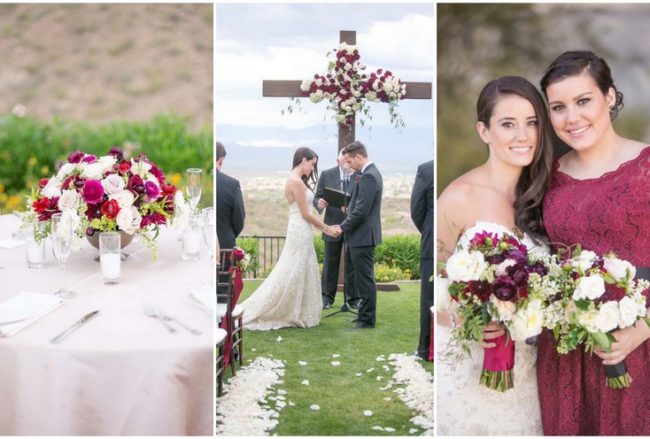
(306, 84)
(52, 188)
(93, 171)
(629, 312)
(69, 200)
(371, 96)
(619, 268)
(107, 162)
(316, 97)
(124, 198)
(140, 168)
(376, 85)
(501, 268)
(527, 322)
(585, 260)
(588, 320)
(128, 220)
(591, 287)
(113, 184)
(505, 308)
(66, 170)
(340, 118)
(608, 317)
(463, 266)
(388, 86)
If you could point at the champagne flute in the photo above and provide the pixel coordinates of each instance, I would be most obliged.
(193, 185)
(62, 235)
(209, 222)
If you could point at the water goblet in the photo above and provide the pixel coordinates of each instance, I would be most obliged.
(209, 222)
(62, 236)
(193, 185)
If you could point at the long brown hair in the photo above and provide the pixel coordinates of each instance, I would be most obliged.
(533, 180)
(306, 153)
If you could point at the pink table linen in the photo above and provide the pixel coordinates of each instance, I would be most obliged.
(122, 373)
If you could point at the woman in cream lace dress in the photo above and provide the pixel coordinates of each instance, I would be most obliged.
(291, 295)
(502, 196)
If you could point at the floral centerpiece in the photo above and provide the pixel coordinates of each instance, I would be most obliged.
(108, 193)
(496, 280)
(599, 295)
(345, 86)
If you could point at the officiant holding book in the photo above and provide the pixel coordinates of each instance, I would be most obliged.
(335, 184)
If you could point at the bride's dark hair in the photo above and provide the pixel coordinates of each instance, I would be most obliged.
(532, 182)
(306, 153)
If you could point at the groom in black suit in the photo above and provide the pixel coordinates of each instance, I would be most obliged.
(230, 205)
(422, 216)
(337, 177)
(362, 228)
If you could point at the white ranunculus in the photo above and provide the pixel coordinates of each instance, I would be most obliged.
(590, 287)
(52, 188)
(527, 322)
(629, 311)
(506, 309)
(128, 220)
(347, 66)
(66, 170)
(388, 86)
(465, 266)
(608, 317)
(93, 171)
(113, 184)
(124, 198)
(585, 260)
(371, 96)
(140, 168)
(340, 118)
(306, 84)
(316, 97)
(69, 200)
(501, 268)
(619, 268)
(588, 320)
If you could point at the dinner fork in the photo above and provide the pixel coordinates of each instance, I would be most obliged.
(168, 318)
(151, 312)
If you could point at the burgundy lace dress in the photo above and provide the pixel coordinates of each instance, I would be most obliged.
(609, 213)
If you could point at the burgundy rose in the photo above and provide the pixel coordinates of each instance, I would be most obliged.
(152, 190)
(504, 288)
(94, 211)
(136, 184)
(518, 273)
(93, 192)
(76, 157)
(238, 254)
(612, 292)
(110, 209)
(168, 190)
(496, 259)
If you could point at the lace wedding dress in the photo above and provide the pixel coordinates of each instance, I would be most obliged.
(291, 295)
(466, 408)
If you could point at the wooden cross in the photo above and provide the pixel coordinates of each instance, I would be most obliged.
(291, 89)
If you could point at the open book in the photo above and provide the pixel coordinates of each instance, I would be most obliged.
(335, 197)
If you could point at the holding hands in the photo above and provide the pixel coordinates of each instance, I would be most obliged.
(333, 231)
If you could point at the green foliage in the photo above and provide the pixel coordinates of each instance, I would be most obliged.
(384, 273)
(319, 246)
(250, 246)
(30, 149)
(400, 251)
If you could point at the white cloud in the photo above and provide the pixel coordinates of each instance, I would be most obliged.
(279, 143)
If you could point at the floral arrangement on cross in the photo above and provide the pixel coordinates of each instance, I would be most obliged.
(348, 88)
(101, 194)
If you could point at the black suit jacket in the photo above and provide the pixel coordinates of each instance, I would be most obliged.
(230, 210)
(333, 215)
(362, 227)
(422, 208)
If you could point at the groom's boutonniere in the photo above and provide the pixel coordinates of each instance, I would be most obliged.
(357, 178)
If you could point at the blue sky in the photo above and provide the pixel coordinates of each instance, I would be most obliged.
(290, 41)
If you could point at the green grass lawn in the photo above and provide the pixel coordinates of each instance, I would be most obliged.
(341, 395)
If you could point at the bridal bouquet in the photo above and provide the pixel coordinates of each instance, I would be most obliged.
(599, 295)
(108, 193)
(495, 279)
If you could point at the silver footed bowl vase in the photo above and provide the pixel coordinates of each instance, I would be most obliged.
(125, 239)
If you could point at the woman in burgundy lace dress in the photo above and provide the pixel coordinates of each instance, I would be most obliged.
(599, 196)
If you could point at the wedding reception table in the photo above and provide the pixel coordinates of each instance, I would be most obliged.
(122, 373)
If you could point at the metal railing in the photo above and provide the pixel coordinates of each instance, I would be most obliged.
(268, 252)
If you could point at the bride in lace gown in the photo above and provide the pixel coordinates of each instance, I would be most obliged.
(291, 295)
(503, 195)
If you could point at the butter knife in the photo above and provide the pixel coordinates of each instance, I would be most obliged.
(82, 321)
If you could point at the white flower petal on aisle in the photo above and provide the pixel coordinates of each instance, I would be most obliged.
(417, 390)
(238, 411)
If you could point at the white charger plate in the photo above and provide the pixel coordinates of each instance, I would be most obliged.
(13, 312)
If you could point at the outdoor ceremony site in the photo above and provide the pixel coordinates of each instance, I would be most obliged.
(324, 195)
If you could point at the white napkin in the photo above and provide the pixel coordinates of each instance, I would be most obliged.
(10, 243)
(24, 309)
(205, 298)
